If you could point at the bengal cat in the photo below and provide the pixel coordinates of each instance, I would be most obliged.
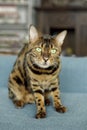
(35, 73)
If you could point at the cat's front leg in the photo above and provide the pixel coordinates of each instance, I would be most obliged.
(56, 100)
(39, 99)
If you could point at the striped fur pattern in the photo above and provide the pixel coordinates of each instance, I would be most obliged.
(34, 77)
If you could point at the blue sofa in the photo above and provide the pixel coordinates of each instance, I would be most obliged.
(73, 86)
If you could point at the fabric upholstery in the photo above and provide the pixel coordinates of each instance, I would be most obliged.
(73, 86)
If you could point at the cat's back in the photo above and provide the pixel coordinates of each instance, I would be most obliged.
(23, 51)
(21, 56)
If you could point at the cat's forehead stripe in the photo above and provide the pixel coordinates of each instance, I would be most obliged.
(47, 40)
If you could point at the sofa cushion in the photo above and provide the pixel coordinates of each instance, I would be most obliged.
(73, 77)
(73, 84)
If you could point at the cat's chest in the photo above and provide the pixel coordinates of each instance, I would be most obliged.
(44, 81)
(45, 84)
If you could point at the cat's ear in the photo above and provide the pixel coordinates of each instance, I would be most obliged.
(60, 37)
(33, 33)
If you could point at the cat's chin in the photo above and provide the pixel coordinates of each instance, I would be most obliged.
(43, 66)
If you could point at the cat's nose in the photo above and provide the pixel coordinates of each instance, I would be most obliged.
(45, 59)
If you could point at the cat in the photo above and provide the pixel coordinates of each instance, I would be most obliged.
(35, 74)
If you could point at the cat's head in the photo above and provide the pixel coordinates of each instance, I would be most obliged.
(44, 50)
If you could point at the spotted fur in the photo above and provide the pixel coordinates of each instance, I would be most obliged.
(35, 73)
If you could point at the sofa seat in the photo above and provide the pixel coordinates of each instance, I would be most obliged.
(73, 86)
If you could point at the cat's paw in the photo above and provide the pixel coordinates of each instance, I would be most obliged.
(61, 109)
(47, 102)
(18, 103)
(40, 115)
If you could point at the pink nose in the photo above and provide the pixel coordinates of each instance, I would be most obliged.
(45, 58)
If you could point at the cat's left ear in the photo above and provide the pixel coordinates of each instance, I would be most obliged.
(60, 37)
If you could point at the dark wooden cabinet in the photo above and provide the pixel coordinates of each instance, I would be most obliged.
(74, 19)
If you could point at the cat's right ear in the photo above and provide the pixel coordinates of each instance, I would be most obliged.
(33, 33)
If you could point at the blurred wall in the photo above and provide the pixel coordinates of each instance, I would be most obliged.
(32, 4)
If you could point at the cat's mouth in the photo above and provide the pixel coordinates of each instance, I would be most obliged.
(42, 63)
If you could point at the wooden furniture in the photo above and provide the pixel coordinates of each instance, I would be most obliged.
(72, 18)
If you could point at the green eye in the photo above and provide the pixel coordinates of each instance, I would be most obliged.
(38, 49)
(53, 51)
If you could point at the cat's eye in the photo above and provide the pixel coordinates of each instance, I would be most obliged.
(53, 51)
(38, 49)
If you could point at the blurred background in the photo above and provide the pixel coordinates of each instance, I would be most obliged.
(49, 16)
